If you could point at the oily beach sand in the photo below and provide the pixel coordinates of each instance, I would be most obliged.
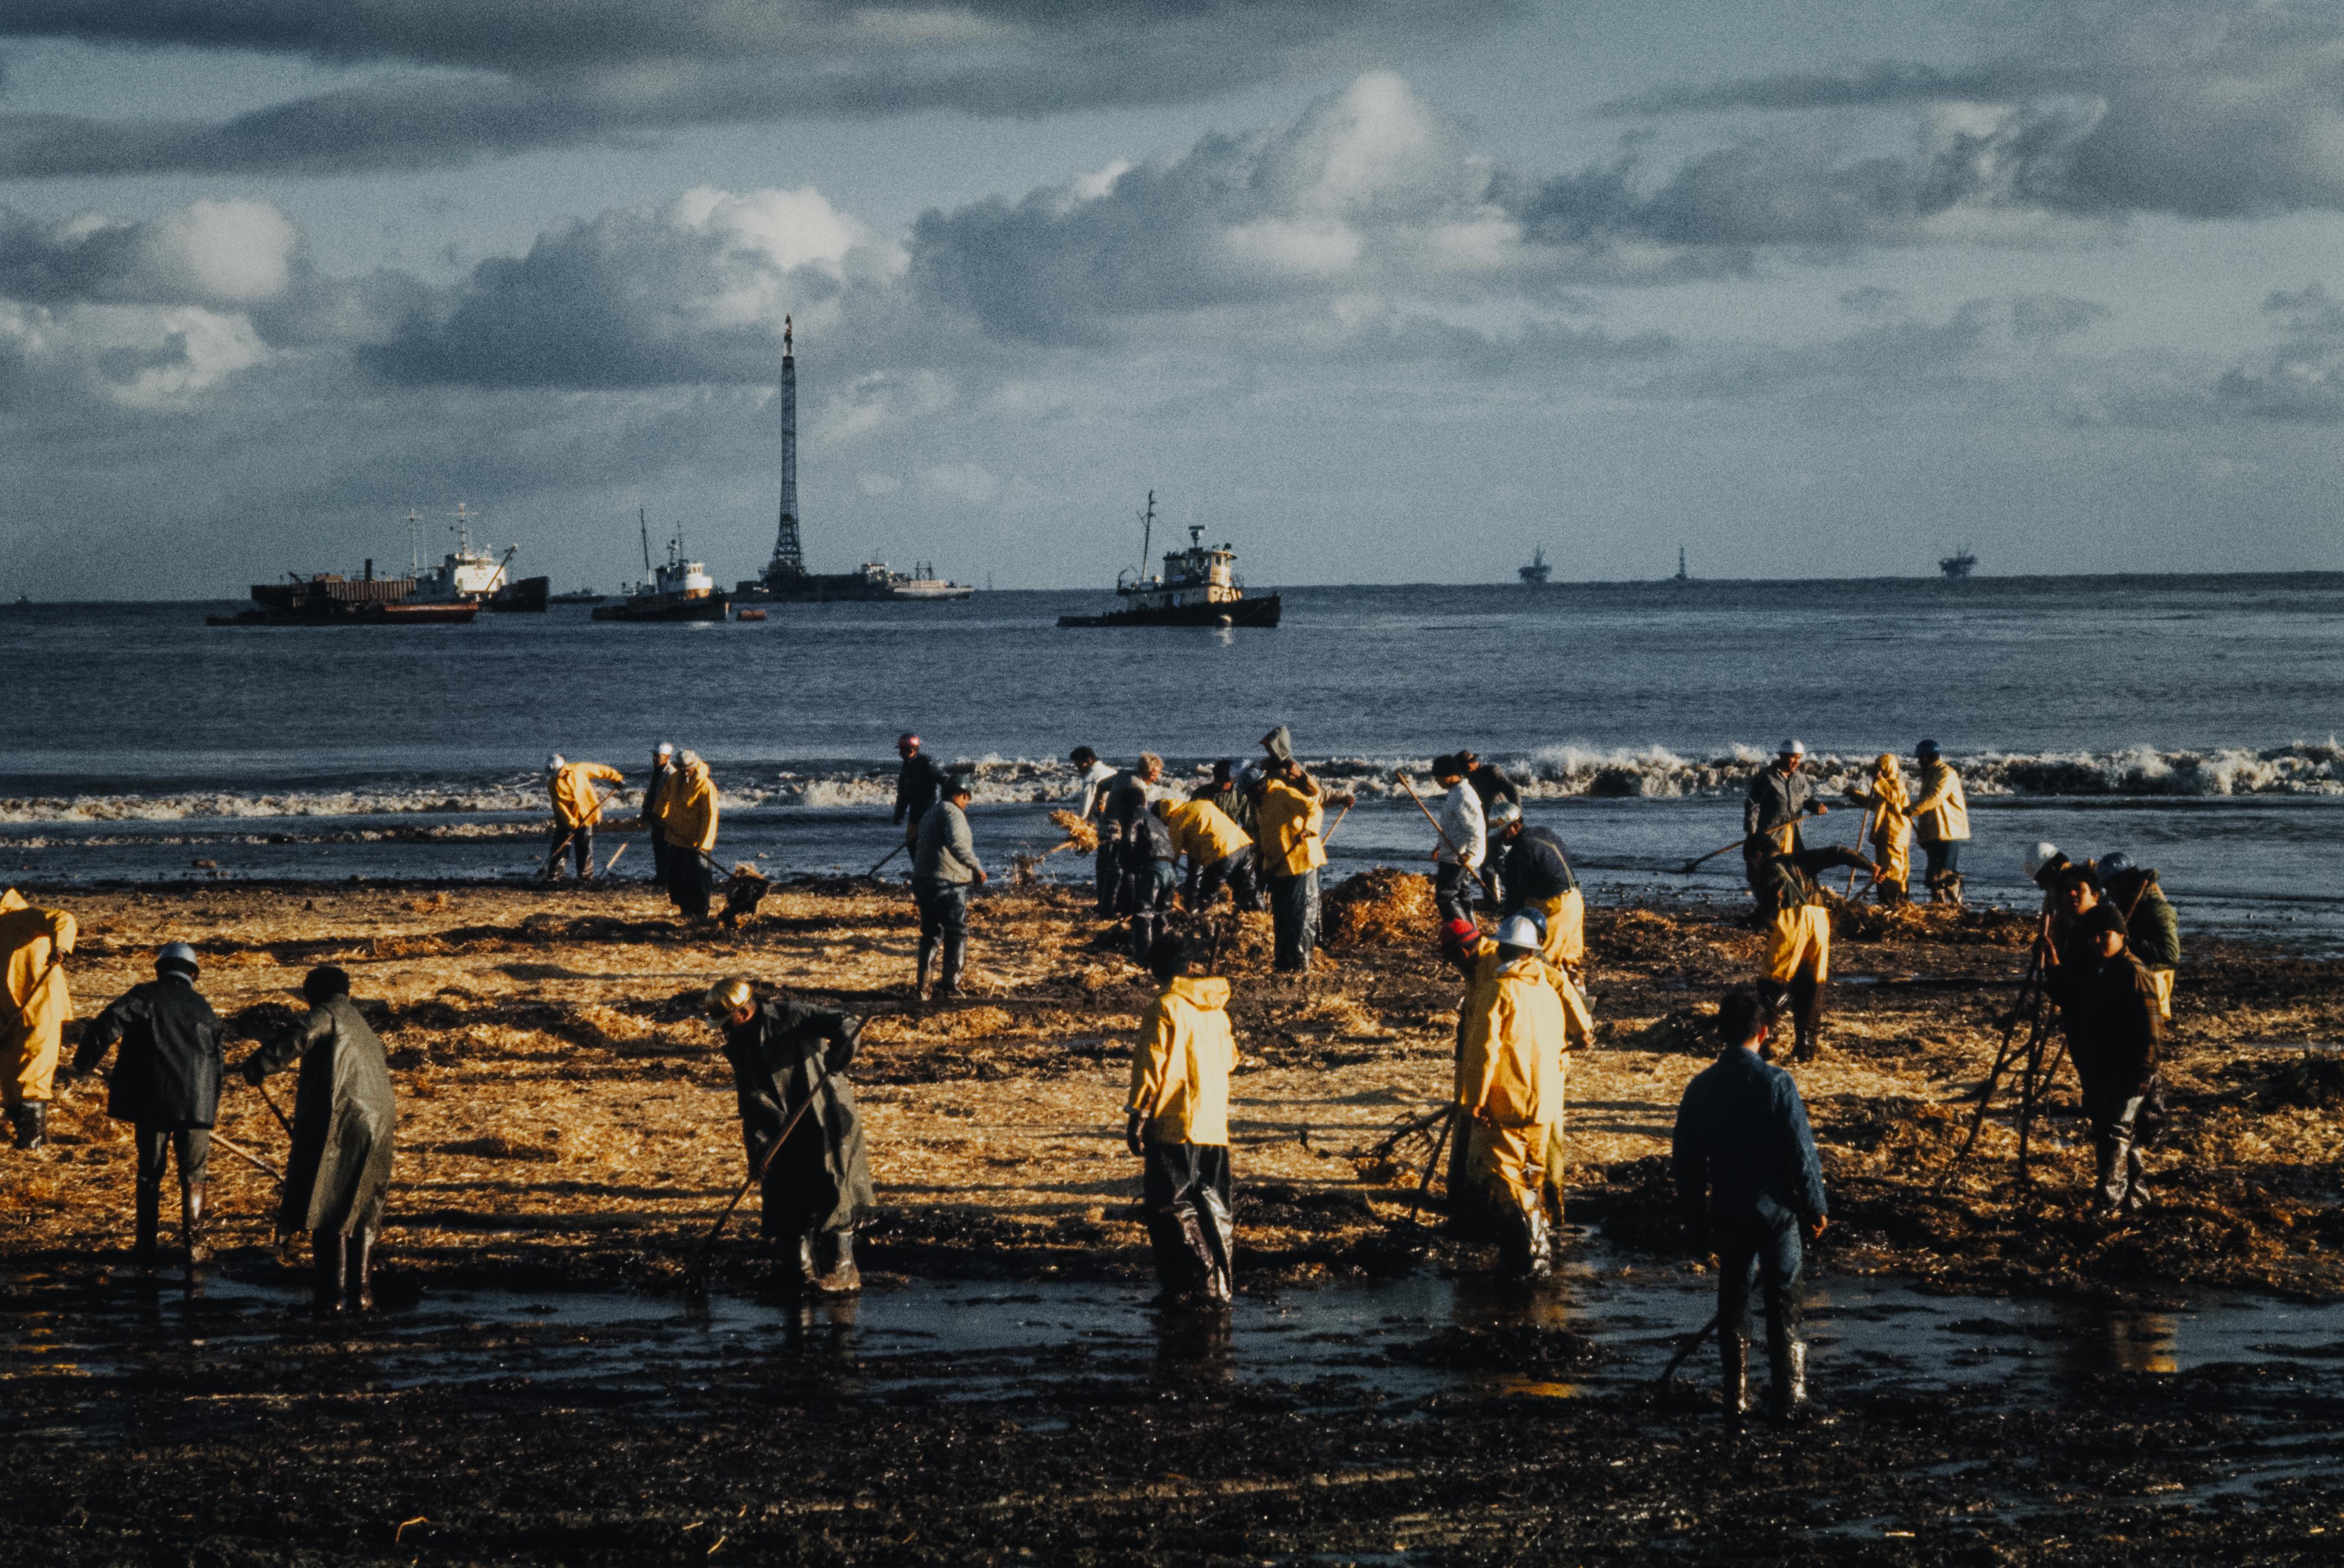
(565, 1118)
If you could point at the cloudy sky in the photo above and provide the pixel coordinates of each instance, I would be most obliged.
(1385, 291)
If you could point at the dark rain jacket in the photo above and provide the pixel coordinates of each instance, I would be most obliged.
(1535, 869)
(1774, 801)
(1788, 881)
(777, 1057)
(168, 1071)
(1122, 801)
(919, 786)
(2152, 931)
(343, 1120)
(1490, 783)
(1233, 801)
(1744, 1150)
(1151, 840)
(2115, 1025)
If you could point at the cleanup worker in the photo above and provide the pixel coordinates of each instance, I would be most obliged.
(1278, 750)
(338, 1175)
(1461, 842)
(1509, 1084)
(577, 809)
(1228, 793)
(33, 947)
(2115, 1025)
(1122, 801)
(1491, 783)
(1796, 963)
(663, 779)
(166, 1084)
(1750, 1189)
(817, 1185)
(1153, 863)
(1892, 826)
(944, 869)
(1177, 1120)
(1535, 873)
(918, 786)
(2152, 930)
(688, 817)
(1219, 851)
(1941, 821)
(1779, 798)
(1291, 813)
(1091, 778)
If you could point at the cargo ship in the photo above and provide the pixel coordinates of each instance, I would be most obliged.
(680, 590)
(1198, 587)
(329, 599)
(477, 575)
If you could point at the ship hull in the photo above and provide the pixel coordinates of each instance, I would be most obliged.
(329, 614)
(706, 607)
(844, 588)
(526, 597)
(1262, 611)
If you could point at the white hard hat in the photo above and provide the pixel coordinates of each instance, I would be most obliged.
(1504, 812)
(665, 749)
(1520, 931)
(2041, 855)
(1792, 749)
(555, 764)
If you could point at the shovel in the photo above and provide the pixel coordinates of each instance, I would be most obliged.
(695, 1279)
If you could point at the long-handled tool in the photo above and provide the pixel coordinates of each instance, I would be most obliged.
(1448, 1124)
(901, 847)
(593, 814)
(1861, 833)
(1688, 868)
(1686, 1346)
(695, 1279)
(1330, 833)
(615, 856)
(247, 1155)
(279, 1114)
(1429, 817)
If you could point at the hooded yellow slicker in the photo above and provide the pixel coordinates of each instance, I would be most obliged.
(575, 801)
(1942, 815)
(1891, 820)
(1510, 1070)
(1203, 832)
(1180, 1068)
(687, 808)
(1291, 821)
(33, 944)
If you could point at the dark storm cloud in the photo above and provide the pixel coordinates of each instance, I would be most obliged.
(551, 75)
(2302, 377)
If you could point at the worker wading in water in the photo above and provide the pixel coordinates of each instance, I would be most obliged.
(818, 1184)
(2152, 930)
(2108, 1005)
(165, 1083)
(34, 945)
(918, 786)
(1177, 1122)
(945, 870)
(1794, 965)
(688, 815)
(1892, 827)
(1291, 813)
(577, 810)
(1461, 844)
(1779, 799)
(337, 1176)
(1513, 1032)
(1941, 821)
(663, 779)
(1750, 1191)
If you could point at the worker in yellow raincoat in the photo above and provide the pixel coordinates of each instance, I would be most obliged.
(1941, 821)
(1177, 1122)
(1509, 1083)
(1291, 820)
(1796, 963)
(1892, 826)
(687, 823)
(577, 809)
(34, 945)
(1221, 853)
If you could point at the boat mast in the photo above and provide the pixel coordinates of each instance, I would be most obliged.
(1147, 533)
(789, 555)
(414, 543)
(644, 524)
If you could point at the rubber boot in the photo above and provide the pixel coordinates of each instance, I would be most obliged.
(1734, 1357)
(1806, 1043)
(1542, 1247)
(806, 1271)
(955, 960)
(919, 978)
(834, 1252)
(330, 1261)
(191, 1223)
(1787, 1400)
(358, 1274)
(32, 1121)
(150, 1223)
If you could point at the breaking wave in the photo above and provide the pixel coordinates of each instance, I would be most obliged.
(1553, 773)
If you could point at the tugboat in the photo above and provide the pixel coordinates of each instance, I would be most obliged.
(1538, 570)
(1958, 565)
(466, 574)
(1199, 587)
(682, 590)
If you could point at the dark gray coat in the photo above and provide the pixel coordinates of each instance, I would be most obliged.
(343, 1118)
(168, 1071)
(1775, 802)
(777, 1057)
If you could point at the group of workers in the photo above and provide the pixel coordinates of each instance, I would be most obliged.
(678, 811)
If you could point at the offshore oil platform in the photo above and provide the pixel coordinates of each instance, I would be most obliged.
(785, 580)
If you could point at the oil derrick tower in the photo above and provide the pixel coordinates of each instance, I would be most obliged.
(789, 556)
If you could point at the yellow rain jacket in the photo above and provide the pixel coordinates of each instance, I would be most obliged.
(576, 802)
(1942, 811)
(1566, 929)
(1892, 819)
(1291, 822)
(687, 809)
(1203, 832)
(1180, 1068)
(32, 1020)
(1510, 1071)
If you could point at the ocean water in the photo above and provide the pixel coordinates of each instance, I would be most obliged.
(2191, 722)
